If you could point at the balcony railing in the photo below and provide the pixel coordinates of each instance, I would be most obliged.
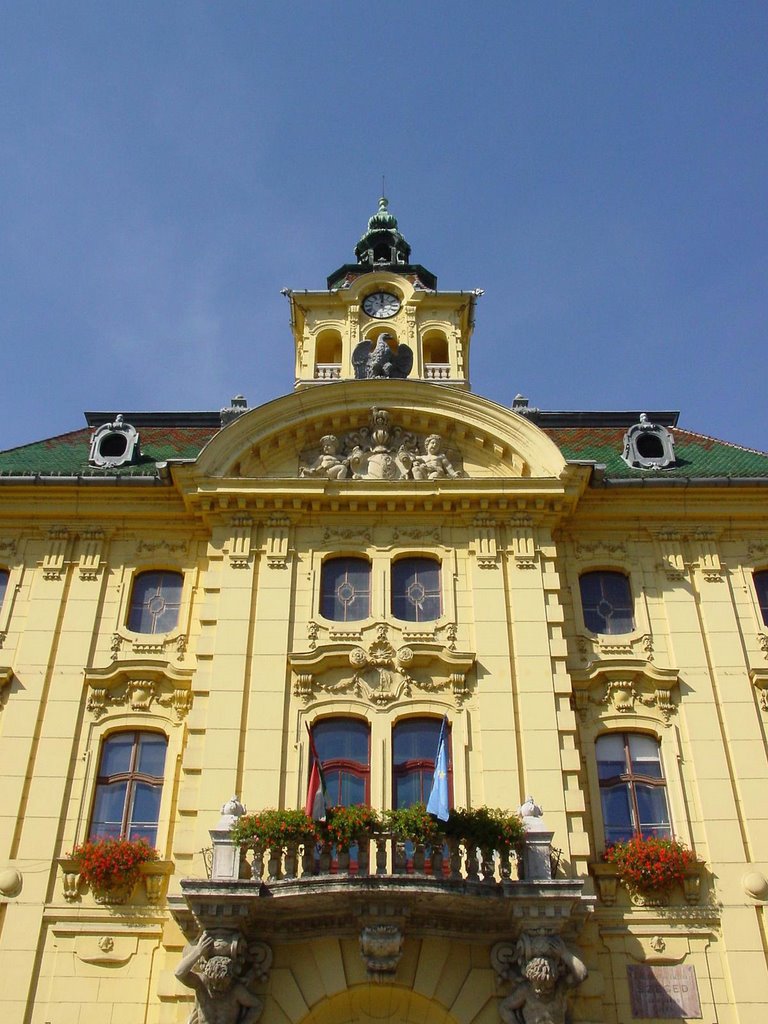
(381, 856)
(437, 371)
(327, 371)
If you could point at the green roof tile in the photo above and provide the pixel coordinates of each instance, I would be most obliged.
(696, 455)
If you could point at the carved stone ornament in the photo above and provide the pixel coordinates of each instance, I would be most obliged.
(113, 444)
(759, 677)
(139, 687)
(541, 971)
(221, 968)
(380, 451)
(381, 946)
(377, 671)
(625, 687)
(176, 644)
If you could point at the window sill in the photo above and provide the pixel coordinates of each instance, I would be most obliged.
(607, 882)
(149, 890)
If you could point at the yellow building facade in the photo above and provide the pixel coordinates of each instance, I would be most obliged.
(189, 597)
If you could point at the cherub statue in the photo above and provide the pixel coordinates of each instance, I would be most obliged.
(328, 463)
(548, 969)
(434, 464)
(222, 996)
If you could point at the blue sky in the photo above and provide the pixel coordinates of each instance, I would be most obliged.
(599, 168)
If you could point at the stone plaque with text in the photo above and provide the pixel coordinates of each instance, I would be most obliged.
(663, 991)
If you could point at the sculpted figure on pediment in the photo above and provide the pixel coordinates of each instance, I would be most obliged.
(380, 451)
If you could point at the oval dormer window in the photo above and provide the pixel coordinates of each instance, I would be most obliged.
(648, 446)
(114, 444)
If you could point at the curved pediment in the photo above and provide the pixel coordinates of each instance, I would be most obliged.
(381, 429)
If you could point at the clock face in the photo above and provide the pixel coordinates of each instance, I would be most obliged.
(381, 305)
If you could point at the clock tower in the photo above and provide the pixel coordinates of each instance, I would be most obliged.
(382, 317)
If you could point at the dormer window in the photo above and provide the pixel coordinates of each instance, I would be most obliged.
(114, 444)
(648, 446)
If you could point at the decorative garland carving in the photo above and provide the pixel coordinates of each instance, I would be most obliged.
(379, 672)
(622, 686)
(140, 687)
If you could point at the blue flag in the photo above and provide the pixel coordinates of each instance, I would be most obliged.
(438, 798)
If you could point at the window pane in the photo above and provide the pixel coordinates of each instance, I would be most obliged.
(341, 739)
(352, 790)
(611, 759)
(617, 813)
(3, 584)
(761, 586)
(644, 754)
(416, 590)
(416, 739)
(606, 602)
(652, 805)
(152, 754)
(146, 805)
(345, 589)
(407, 790)
(108, 809)
(116, 754)
(155, 602)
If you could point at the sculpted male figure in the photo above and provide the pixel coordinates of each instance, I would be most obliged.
(549, 969)
(221, 997)
(328, 462)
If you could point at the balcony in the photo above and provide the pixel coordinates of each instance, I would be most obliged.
(327, 371)
(450, 888)
(437, 371)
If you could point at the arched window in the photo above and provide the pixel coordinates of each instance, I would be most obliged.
(606, 601)
(414, 746)
(343, 747)
(345, 591)
(416, 590)
(155, 602)
(761, 587)
(3, 585)
(633, 790)
(129, 786)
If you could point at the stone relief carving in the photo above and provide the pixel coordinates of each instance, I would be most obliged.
(625, 689)
(381, 946)
(220, 968)
(380, 451)
(177, 644)
(139, 688)
(542, 971)
(380, 672)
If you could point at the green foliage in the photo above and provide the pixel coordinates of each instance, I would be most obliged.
(650, 866)
(274, 828)
(109, 863)
(346, 825)
(412, 823)
(486, 827)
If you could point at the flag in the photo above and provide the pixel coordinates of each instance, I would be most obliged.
(317, 803)
(438, 798)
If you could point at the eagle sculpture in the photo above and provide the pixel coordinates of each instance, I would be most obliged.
(377, 359)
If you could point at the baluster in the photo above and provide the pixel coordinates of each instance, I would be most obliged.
(325, 859)
(454, 859)
(381, 855)
(291, 856)
(308, 859)
(342, 859)
(419, 856)
(400, 863)
(505, 865)
(488, 866)
(437, 860)
(274, 858)
(363, 856)
(471, 864)
(257, 864)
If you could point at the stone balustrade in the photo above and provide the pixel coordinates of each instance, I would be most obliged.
(327, 371)
(437, 371)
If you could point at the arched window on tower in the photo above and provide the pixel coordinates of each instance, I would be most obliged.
(328, 355)
(434, 348)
